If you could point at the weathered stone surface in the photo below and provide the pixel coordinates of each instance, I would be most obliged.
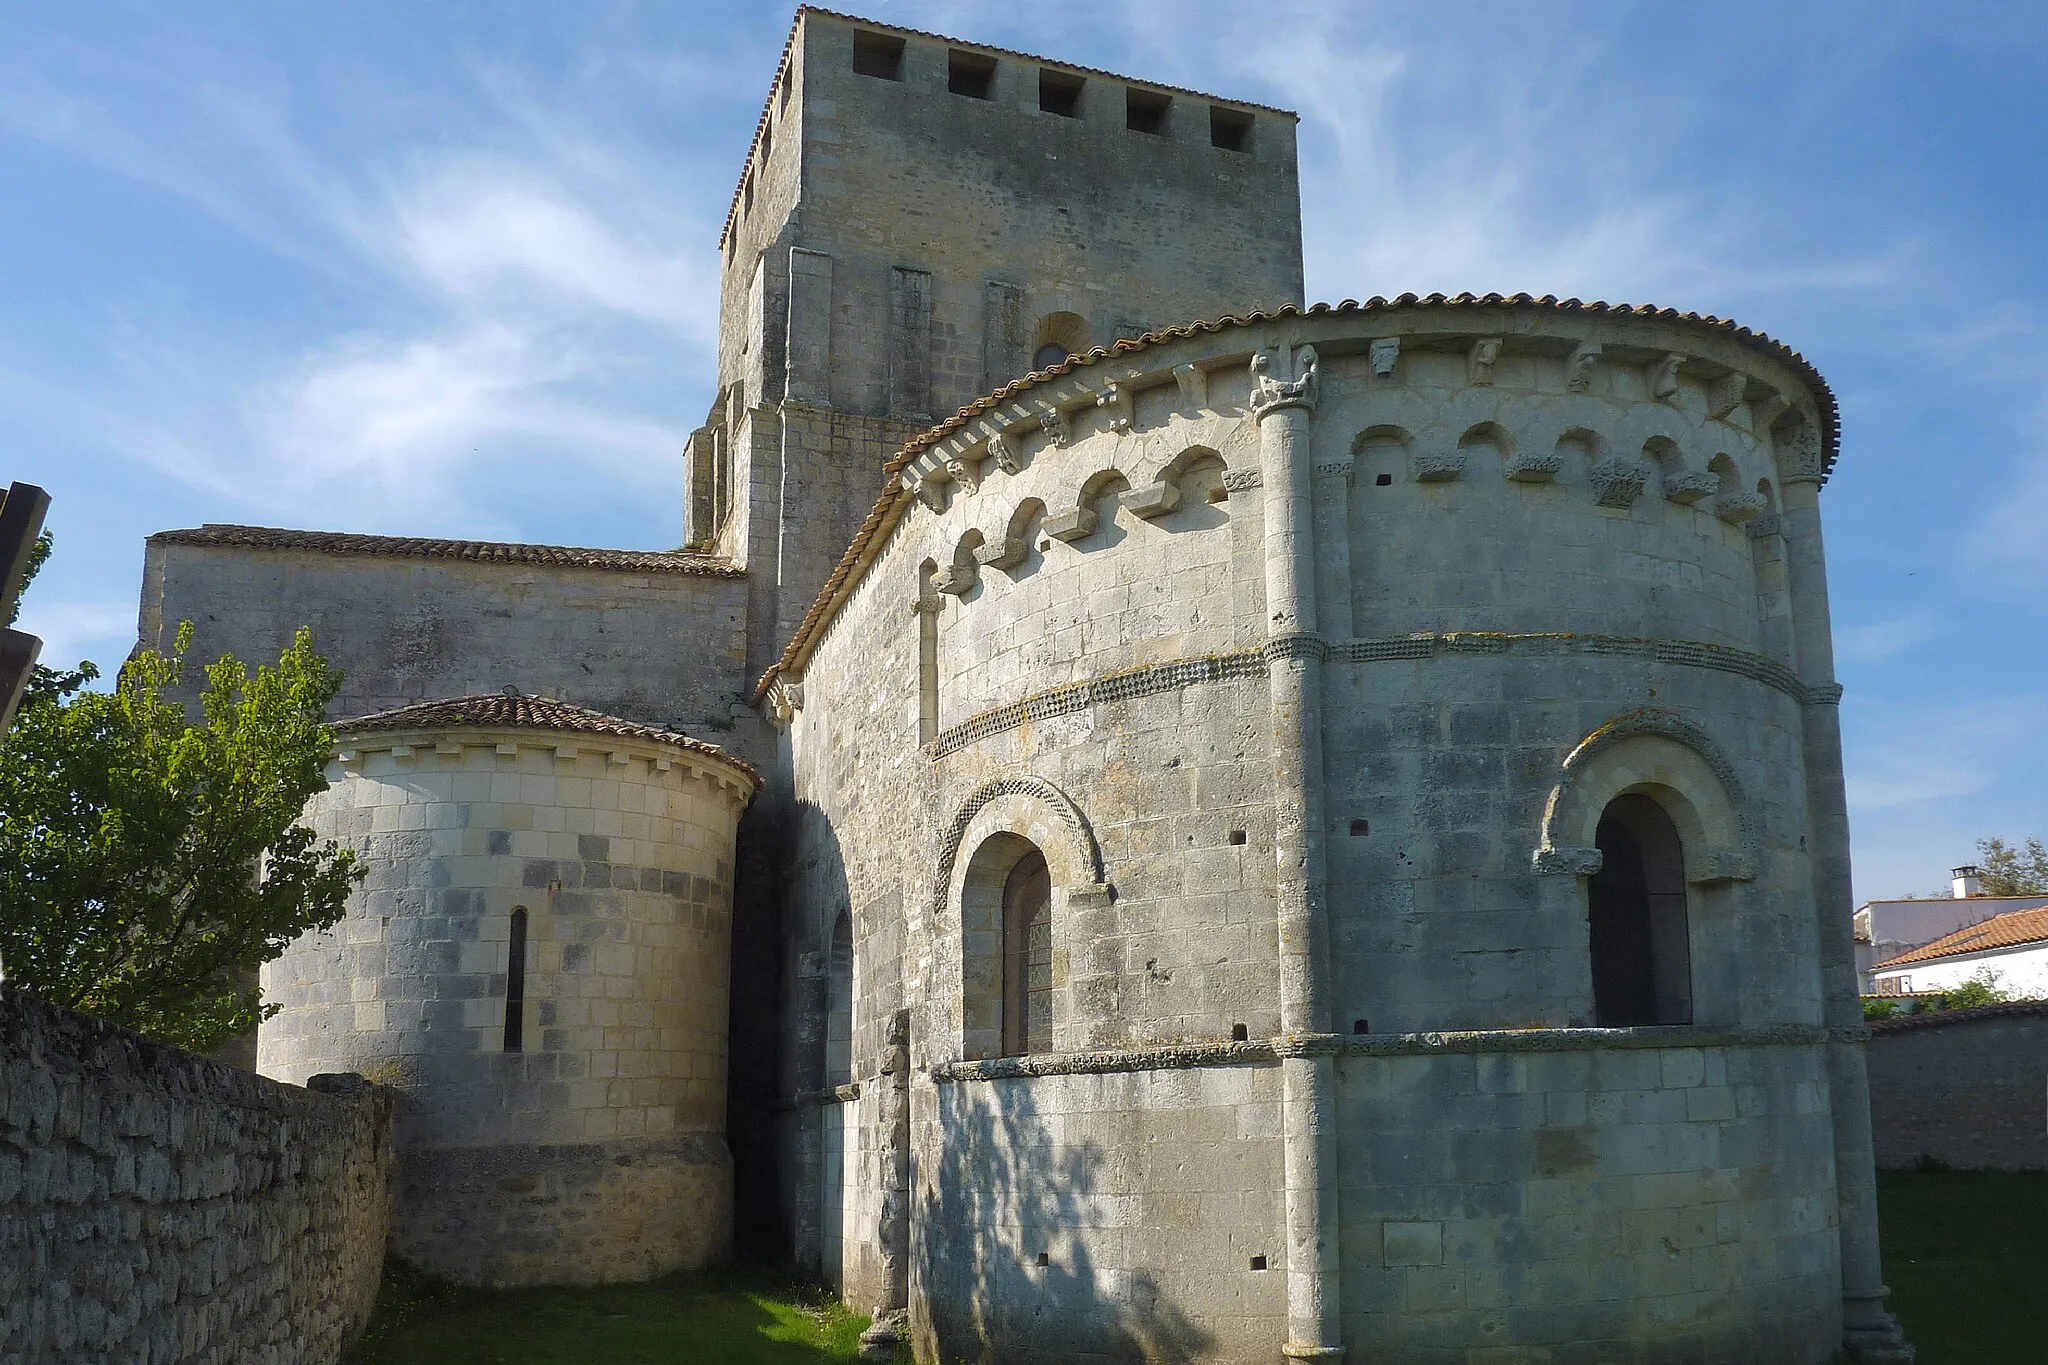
(156, 1206)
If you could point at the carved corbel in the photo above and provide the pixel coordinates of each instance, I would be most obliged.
(956, 580)
(1053, 422)
(1072, 525)
(1153, 500)
(1480, 359)
(1766, 410)
(1578, 369)
(1617, 481)
(1004, 552)
(1719, 867)
(1724, 395)
(1004, 452)
(1386, 351)
(785, 699)
(1687, 486)
(1737, 508)
(1123, 414)
(1663, 379)
(1194, 385)
(964, 475)
(1567, 862)
(927, 492)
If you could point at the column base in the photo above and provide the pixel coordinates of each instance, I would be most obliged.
(1870, 1334)
(889, 1330)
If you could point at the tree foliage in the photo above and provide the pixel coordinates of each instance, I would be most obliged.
(147, 864)
(2012, 869)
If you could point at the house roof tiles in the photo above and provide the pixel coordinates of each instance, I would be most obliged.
(2013, 929)
(512, 710)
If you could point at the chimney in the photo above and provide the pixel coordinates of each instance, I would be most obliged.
(1965, 882)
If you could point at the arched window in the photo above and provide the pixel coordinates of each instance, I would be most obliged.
(1049, 355)
(1027, 957)
(1642, 957)
(839, 1004)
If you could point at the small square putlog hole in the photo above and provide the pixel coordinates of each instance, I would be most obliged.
(1360, 828)
(1361, 1027)
(1145, 111)
(1384, 481)
(1237, 836)
(1258, 1263)
(971, 74)
(1060, 93)
(1230, 129)
(1240, 1033)
(878, 54)
(1043, 1259)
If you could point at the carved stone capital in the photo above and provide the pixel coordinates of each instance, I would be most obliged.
(1444, 466)
(1736, 508)
(1271, 393)
(1385, 351)
(1567, 862)
(1688, 486)
(1532, 467)
(1480, 359)
(1799, 454)
(1578, 368)
(1618, 481)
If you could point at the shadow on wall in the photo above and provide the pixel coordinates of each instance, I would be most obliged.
(1007, 1215)
(753, 1057)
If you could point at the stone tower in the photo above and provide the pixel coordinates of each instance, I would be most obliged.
(921, 220)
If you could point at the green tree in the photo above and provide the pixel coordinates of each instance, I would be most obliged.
(2013, 869)
(147, 864)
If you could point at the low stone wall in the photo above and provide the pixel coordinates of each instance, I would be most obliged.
(159, 1207)
(1965, 1088)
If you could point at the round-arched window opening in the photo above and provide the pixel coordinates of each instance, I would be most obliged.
(1636, 908)
(839, 1004)
(1027, 957)
(1049, 355)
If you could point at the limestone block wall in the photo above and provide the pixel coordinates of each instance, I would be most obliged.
(1963, 1088)
(155, 1206)
(1548, 569)
(651, 640)
(587, 1146)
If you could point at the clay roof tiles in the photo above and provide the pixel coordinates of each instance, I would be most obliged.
(479, 551)
(789, 44)
(512, 710)
(2013, 929)
(894, 495)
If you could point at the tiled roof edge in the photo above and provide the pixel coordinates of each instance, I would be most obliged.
(888, 506)
(428, 547)
(789, 44)
(1905, 1023)
(503, 711)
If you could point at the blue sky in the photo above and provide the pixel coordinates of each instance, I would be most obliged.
(450, 269)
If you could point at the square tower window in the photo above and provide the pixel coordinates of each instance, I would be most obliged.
(878, 54)
(1060, 93)
(971, 74)
(1230, 129)
(1145, 111)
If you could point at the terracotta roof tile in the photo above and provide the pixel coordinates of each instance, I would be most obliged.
(2013, 929)
(789, 44)
(510, 710)
(893, 495)
(478, 551)
(1904, 1023)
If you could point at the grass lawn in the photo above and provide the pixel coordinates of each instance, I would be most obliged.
(744, 1316)
(1966, 1255)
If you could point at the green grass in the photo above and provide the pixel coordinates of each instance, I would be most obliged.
(745, 1316)
(1966, 1255)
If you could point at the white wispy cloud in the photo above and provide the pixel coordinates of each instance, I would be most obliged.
(1877, 641)
(72, 630)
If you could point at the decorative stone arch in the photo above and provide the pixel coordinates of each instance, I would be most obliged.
(1068, 331)
(1383, 448)
(1672, 759)
(1161, 467)
(996, 828)
(1073, 513)
(1007, 544)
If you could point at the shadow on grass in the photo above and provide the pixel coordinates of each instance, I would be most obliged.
(1966, 1257)
(746, 1315)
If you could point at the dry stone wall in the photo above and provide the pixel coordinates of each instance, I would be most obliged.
(1967, 1089)
(156, 1207)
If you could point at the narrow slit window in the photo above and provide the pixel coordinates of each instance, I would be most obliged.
(879, 55)
(971, 74)
(1027, 957)
(1060, 93)
(1145, 111)
(1230, 129)
(515, 983)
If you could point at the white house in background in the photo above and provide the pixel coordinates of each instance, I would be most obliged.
(1886, 930)
(2013, 946)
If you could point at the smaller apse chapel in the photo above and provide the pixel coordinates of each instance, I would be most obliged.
(1269, 832)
